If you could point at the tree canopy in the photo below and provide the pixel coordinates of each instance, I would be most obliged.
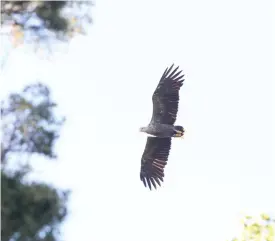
(29, 210)
(257, 229)
(32, 210)
(45, 20)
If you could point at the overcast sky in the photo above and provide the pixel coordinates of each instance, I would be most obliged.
(103, 85)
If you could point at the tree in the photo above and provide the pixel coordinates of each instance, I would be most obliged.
(32, 210)
(42, 23)
(44, 20)
(262, 229)
(29, 210)
(28, 122)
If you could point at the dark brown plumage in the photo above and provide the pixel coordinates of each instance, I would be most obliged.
(165, 108)
(166, 97)
(154, 160)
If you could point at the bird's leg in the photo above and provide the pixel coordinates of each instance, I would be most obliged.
(178, 134)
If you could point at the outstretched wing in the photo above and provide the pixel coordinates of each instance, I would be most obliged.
(153, 160)
(166, 97)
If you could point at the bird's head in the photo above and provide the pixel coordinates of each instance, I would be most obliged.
(142, 129)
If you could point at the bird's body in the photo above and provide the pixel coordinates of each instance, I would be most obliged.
(161, 130)
(161, 127)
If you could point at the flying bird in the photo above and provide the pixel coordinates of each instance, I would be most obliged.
(161, 128)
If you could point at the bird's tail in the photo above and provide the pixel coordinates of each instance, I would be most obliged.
(179, 128)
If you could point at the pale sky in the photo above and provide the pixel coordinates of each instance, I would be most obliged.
(103, 85)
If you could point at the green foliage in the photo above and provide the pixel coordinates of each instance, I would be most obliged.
(29, 210)
(28, 122)
(262, 229)
(39, 20)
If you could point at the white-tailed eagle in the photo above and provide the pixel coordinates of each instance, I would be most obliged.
(161, 127)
